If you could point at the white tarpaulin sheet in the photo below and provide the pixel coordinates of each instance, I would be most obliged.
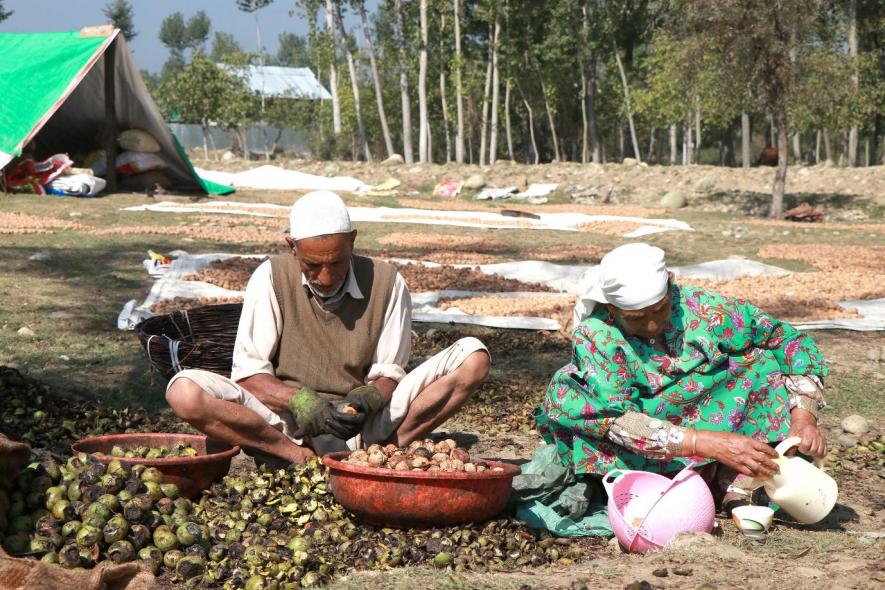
(872, 310)
(486, 219)
(172, 285)
(275, 178)
(573, 279)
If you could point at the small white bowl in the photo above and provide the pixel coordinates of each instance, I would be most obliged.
(753, 521)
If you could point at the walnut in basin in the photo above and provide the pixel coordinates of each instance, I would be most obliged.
(204, 461)
(406, 488)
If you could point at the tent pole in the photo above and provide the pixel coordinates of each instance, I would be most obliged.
(110, 116)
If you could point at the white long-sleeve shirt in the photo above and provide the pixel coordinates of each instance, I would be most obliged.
(261, 326)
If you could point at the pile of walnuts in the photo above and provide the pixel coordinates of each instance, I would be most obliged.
(420, 455)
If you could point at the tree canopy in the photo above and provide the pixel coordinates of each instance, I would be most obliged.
(122, 16)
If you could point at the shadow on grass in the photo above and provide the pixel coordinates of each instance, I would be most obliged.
(757, 204)
(71, 301)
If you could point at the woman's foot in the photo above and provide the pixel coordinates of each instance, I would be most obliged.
(732, 500)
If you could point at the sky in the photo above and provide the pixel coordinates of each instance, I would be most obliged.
(71, 15)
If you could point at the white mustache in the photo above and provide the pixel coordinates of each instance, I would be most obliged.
(318, 287)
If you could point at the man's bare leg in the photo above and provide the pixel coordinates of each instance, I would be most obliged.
(442, 398)
(231, 422)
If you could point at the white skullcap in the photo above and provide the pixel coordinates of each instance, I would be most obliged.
(631, 277)
(319, 213)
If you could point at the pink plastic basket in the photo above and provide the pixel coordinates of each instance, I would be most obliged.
(646, 510)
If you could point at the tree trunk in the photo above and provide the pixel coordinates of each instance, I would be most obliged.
(745, 140)
(874, 139)
(627, 101)
(697, 131)
(333, 69)
(688, 140)
(866, 151)
(585, 124)
(651, 144)
(442, 89)
(673, 145)
(591, 113)
(827, 151)
(507, 126)
(780, 177)
(817, 137)
(459, 134)
(423, 124)
(493, 132)
(728, 147)
(404, 84)
(685, 143)
(484, 129)
(205, 127)
(854, 133)
(772, 132)
(260, 56)
(354, 84)
(376, 78)
(797, 148)
(550, 121)
(528, 108)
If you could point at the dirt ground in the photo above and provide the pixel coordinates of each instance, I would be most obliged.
(69, 300)
(712, 187)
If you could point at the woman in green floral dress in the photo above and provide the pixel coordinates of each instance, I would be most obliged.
(664, 374)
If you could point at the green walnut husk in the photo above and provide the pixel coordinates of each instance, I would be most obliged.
(121, 552)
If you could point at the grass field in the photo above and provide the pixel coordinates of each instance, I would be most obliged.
(70, 302)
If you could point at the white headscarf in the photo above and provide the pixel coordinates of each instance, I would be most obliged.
(630, 277)
(319, 213)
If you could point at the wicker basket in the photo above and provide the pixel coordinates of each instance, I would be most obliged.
(199, 338)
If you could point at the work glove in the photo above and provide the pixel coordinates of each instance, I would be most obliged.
(351, 414)
(312, 415)
(367, 399)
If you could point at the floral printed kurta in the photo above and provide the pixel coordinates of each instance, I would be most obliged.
(722, 370)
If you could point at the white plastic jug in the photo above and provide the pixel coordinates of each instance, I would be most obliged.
(801, 488)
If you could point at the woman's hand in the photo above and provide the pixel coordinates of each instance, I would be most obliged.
(748, 456)
(804, 425)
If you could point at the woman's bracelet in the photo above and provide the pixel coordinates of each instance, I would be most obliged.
(694, 442)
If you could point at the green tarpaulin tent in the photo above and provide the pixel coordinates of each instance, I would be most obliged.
(73, 93)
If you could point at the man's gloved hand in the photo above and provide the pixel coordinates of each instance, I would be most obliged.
(351, 414)
(367, 399)
(312, 415)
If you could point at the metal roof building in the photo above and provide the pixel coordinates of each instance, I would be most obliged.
(277, 81)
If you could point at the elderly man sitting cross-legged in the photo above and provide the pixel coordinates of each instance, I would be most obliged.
(321, 326)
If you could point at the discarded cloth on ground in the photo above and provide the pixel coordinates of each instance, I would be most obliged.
(76, 185)
(31, 176)
(548, 495)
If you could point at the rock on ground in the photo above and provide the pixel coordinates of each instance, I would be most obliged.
(855, 424)
(674, 200)
(847, 441)
(41, 256)
(475, 181)
(394, 159)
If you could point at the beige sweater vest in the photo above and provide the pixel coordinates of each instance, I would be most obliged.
(329, 351)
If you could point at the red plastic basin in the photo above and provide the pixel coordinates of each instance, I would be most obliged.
(418, 499)
(192, 475)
